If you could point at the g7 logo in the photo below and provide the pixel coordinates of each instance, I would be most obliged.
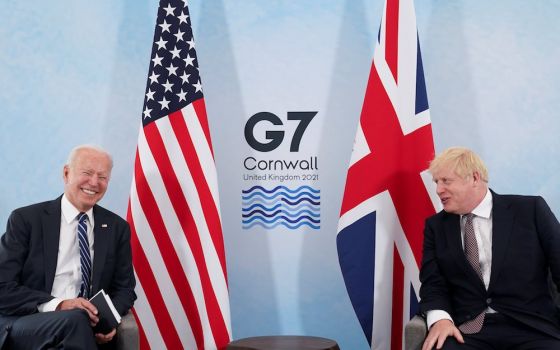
(276, 137)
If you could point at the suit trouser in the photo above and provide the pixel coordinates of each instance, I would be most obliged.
(69, 329)
(502, 332)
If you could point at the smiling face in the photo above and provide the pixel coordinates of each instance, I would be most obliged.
(86, 177)
(459, 194)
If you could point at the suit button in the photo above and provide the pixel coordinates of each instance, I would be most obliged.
(488, 301)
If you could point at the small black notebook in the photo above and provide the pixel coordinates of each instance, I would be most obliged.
(109, 318)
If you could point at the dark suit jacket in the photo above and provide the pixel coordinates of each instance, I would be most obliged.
(28, 257)
(525, 246)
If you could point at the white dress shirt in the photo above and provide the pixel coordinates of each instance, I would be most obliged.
(482, 223)
(68, 275)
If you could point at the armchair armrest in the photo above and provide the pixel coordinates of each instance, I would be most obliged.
(128, 337)
(415, 332)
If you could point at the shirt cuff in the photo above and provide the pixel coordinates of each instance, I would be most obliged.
(50, 305)
(433, 316)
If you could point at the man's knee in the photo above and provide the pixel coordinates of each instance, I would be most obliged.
(67, 329)
(74, 330)
(75, 319)
(451, 344)
(76, 315)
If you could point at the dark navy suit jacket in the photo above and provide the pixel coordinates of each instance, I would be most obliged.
(28, 257)
(525, 247)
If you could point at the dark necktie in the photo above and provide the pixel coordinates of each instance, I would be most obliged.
(85, 257)
(471, 253)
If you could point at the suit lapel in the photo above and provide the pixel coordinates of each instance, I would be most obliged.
(502, 225)
(453, 234)
(100, 245)
(51, 235)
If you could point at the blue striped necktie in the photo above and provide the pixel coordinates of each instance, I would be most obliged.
(85, 257)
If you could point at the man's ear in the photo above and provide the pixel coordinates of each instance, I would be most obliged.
(476, 177)
(65, 171)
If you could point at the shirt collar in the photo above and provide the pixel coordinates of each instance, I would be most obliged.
(484, 209)
(69, 212)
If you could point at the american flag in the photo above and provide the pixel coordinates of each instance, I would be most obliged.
(388, 191)
(173, 211)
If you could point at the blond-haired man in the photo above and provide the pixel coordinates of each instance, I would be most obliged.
(485, 263)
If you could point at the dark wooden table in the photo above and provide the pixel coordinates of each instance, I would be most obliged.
(283, 342)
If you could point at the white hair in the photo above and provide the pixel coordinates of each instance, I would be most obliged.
(74, 152)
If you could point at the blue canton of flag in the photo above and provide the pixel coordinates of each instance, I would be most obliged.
(173, 79)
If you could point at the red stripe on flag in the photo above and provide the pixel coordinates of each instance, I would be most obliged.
(397, 314)
(206, 201)
(151, 289)
(165, 245)
(200, 108)
(396, 160)
(392, 33)
(184, 214)
(412, 213)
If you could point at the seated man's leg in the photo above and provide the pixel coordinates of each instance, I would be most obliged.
(470, 344)
(527, 338)
(548, 344)
(68, 329)
(502, 332)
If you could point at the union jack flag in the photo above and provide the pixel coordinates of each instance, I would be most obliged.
(389, 192)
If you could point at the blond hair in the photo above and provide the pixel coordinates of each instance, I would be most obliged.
(462, 161)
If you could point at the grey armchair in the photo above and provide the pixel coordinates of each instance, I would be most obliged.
(416, 329)
(414, 333)
(127, 337)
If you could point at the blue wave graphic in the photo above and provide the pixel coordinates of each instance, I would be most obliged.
(299, 201)
(274, 201)
(284, 194)
(281, 217)
(259, 200)
(254, 188)
(309, 206)
(261, 206)
(281, 206)
(291, 227)
(301, 206)
(287, 212)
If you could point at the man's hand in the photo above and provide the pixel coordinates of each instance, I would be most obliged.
(105, 338)
(439, 332)
(80, 303)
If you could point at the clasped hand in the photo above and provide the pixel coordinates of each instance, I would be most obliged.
(84, 304)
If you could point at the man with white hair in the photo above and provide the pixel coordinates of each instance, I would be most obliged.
(55, 255)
